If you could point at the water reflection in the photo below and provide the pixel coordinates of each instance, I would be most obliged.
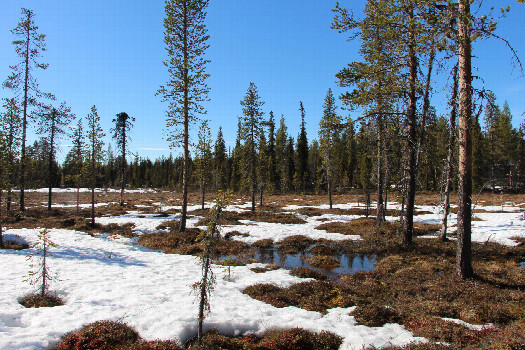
(350, 262)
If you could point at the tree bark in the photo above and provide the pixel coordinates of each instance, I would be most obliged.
(451, 144)
(464, 249)
(408, 228)
(185, 162)
(24, 124)
(380, 204)
(51, 158)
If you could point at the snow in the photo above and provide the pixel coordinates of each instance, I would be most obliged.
(110, 277)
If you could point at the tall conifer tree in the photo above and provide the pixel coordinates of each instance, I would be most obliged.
(29, 46)
(252, 124)
(121, 134)
(185, 37)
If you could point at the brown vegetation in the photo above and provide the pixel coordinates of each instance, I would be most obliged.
(38, 300)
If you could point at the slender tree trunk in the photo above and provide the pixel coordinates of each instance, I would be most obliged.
(329, 185)
(448, 167)
(202, 196)
(44, 269)
(464, 249)
(202, 301)
(1, 222)
(185, 165)
(123, 166)
(51, 159)
(380, 211)
(10, 176)
(408, 229)
(78, 196)
(261, 194)
(426, 105)
(24, 126)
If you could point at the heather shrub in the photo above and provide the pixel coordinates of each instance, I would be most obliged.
(374, 315)
(109, 335)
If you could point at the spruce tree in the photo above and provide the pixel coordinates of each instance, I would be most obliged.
(120, 133)
(94, 135)
(74, 164)
(29, 46)
(273, 176)
(186, 38)
(280, 151)
(53, 123)
(203, 160)
(302, 175)
(220, 162)
(252, 124)
(328, 129)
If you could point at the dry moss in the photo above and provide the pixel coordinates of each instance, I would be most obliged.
(323, 262)
(305, 272)
(269, 267)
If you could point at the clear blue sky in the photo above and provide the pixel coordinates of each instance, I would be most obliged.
(109, 53)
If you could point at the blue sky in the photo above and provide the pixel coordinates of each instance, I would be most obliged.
(109, 53)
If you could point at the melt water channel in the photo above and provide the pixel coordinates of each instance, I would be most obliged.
(350, 262)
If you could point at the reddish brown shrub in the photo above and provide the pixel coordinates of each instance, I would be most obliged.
(109, 335)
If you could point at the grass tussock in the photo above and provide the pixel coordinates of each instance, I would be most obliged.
(265, 243)
(323, 262)
(269, 267)
(295, 244)
(305, 272)
(375, 315)
(38, 300)
(321, 249)
(311, 295)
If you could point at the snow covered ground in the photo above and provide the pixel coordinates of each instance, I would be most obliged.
(109, 277)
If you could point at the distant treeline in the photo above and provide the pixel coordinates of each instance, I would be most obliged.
(288, 165)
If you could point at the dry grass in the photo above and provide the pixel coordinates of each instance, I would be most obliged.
(269, 267)
(323, 262)
(305, 272)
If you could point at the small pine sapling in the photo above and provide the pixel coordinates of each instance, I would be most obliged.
(39, 273)
(208, 239)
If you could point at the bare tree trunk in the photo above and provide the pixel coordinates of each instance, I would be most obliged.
(448, 166)
(464, 249)
(51, 158)
(380, 210)
(185, 165)
(24, 127)
(202, 196)
(408, 228)
(1, 222)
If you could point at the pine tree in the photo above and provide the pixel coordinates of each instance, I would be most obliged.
(203, 160)
(95, 135)
(185, 37)
(29, 47)
(53, 124)
(328, 129)
(120, 133)
(235, 159)
(252, 123)
(302, 175)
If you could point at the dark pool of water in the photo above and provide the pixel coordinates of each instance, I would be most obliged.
(350, 263)
(522, 264)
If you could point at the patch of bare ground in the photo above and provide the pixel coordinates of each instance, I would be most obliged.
(295, 338)
(188, 243)
(39, 300)
(415, 285)
(233, 218)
